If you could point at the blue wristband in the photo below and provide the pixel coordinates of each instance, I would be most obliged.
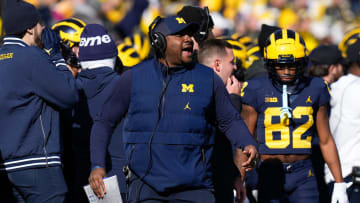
(95, 167)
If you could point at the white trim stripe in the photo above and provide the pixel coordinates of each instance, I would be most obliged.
(33, 164)
(60, 64)
(7, 43)
(13, 38)
(60, 60)
(30, 159)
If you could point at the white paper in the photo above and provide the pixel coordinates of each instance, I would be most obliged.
(112, 192)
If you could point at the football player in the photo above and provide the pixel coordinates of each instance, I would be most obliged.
(284, 109)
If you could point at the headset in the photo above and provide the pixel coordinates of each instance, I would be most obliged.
(157, 39)
(203, 33)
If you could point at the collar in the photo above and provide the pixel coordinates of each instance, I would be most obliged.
(109, 62)
(293, 88)
(175, 69)
(14, 41)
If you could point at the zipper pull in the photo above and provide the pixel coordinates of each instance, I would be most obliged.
(203, 155)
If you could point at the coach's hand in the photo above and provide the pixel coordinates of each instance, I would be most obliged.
(251, 152)
(233, 86)
(240, 190)
(97, 183)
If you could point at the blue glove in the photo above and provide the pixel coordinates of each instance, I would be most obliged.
(51, 43)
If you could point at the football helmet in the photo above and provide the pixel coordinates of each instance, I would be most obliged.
(243, 39)
(285, 48)
(128, 55)
(239, 53)
(350, 38)
(69, 31)
(140, 43)
(253, 54)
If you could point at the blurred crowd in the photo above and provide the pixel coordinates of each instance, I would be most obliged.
(320, 21)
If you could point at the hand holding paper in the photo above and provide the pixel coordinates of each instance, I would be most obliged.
(111, 196)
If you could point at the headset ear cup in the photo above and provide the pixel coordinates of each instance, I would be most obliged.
(157, 39)
(162, 43)
(159, 42)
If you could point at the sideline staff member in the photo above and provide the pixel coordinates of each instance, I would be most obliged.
(34, 85)
(218, 54)
(168, 132)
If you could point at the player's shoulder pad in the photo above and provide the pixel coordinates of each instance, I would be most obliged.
(318, 84)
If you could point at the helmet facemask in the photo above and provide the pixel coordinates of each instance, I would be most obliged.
(68, 54)
(298, 64)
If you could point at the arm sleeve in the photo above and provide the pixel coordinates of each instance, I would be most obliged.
(246, 95)
(236, 101)
(229, 119)
(325, 94)
(54, 82)
(114, 109)
(126, 26)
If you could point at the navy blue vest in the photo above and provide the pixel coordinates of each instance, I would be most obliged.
(179, 122)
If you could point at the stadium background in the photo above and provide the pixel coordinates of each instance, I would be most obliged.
(318, 21)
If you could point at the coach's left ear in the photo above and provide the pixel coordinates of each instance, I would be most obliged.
(217, 66)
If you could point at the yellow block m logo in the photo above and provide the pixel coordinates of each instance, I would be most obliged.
(180, 20)
(245, 84)
(187, 88)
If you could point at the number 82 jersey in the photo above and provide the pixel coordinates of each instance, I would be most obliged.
(294, 136)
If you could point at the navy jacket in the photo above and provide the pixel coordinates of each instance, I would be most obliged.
(96, 85)
(33, 90)
(178, 117)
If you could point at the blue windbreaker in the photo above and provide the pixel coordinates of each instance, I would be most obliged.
(33, 90)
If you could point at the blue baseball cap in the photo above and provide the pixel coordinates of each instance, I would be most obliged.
(326, 55)
(174, 24)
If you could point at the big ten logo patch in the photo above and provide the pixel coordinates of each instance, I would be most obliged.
(97, 40)
(271, 99)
